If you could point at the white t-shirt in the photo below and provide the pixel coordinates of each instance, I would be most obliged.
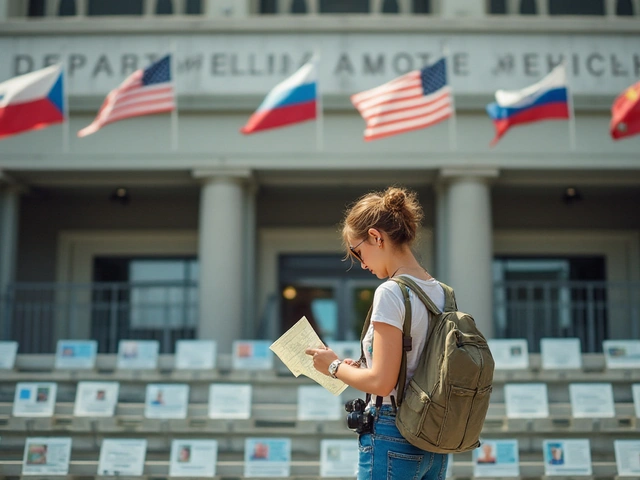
(388, 307)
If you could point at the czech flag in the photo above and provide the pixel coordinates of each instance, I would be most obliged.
(32, 101)
(546, 100)
(293, 100)
(625, 113)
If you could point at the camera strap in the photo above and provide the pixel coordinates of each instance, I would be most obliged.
(379, 401)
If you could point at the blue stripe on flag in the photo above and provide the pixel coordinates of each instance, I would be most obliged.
(556, 95)
(301, 94)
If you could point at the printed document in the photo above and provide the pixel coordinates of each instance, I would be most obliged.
(290, 349)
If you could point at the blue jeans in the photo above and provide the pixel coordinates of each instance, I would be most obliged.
(386, 455)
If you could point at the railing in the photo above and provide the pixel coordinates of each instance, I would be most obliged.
(592, 311)
(609, 8)
(35, 315)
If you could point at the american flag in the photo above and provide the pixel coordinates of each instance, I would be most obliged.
(417, 99)
(144, 92)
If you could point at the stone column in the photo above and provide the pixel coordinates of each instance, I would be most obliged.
(441, 233)
(9, 206)
(470, 242)
(222, 256)
(4, 10)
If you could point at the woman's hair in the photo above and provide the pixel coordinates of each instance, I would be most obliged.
(396, 211)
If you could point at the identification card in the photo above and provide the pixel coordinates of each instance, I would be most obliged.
(496, 458)
(138, 354)
(166, 400)
(34, 399)
(592, 400)
(230, 400)
(252, 355)
(96, 399)
(76, 354)
(8, 351)
(193, 458)
(622, 353)
(122, 457)
(318, 403)
(195, 354)
(338, 458)
(561, 353)
(526, 400)
(567, 457)
(509, 354)
(627, 457)
(46, 456)
(267, 457)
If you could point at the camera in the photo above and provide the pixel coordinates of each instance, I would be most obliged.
(358, 419)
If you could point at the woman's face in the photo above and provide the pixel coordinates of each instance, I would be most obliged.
(367, 252)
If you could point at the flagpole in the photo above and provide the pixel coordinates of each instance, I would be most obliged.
(174, 112)
(319, 109)
(453, 144)
(66, 124)
(572, 112)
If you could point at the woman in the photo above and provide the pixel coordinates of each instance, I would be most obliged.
(378, 231)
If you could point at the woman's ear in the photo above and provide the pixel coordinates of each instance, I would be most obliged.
(375, 234)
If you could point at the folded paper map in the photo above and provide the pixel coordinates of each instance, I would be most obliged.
(290, 349)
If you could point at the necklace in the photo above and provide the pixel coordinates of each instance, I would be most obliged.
(394, 273)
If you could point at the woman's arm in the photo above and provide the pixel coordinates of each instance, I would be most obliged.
(382, 377)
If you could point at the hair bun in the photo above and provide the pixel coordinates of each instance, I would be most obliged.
(394, 199)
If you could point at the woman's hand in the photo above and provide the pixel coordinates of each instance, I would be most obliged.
(322, 358)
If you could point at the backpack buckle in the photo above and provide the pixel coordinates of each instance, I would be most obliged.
(407, 344)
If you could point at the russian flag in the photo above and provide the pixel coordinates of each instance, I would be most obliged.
(293, 100)
(546, 100)
(32, 101)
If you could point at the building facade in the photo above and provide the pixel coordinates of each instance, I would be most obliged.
(179, 226)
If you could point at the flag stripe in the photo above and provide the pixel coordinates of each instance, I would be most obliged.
(432, 107)
(279, 117)
(557, 95)
(406, 105)
(407, 128)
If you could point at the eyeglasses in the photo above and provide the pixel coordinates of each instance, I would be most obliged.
(356, 254)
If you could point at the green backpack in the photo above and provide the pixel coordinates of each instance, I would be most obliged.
(445, 403)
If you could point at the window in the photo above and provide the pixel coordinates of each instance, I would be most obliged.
(573, 7)
(115, 7)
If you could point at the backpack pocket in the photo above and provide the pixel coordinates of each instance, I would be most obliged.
(454, 426)
(419, 417)
(477, 415)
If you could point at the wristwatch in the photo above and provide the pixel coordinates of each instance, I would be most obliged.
(333, 368)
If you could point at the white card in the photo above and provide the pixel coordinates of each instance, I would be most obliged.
(166, 400)
(267, 457)
(8, 351)
(627, 457)
(560, 353)
(34, 399)
(77, 354)
(46, 456)
(317, 403)
(567, 457)
(622, 353)
(526, 400)
(252, 355)
(138, 354)
(346, 349)
(121, 457)
(96, 399)
(496, 458)
(509, 354)
(339, 458)
(193, 458)
(230, 400)
(635, 389)
(592, 400)
(195, 354)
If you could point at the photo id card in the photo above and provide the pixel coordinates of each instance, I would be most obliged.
(561, 353)
(193, 458)
(137, 354)
(77, 354)
(230, 400)
(496, 458)
(195, 354)
(96, 399)
(339, 458)
(252, 355)
(635, 390)
(317, 403)
(526, 400)
(509, 354)
(34, 399)
(122, 457)
(166, 400)
(567, 457)
(622, 353)
(592, 400)
(627, 457)
(8, 352)
(267, 457)
(46, 456)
